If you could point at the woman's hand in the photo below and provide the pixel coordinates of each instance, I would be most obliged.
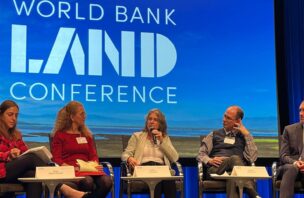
(65, 164)
(158, 134)
(76, 168)
(132, 162)
(14, 153)
(99, 168)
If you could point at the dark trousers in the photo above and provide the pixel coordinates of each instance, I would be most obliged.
(288, 173)
(24, 166)
(227, 165)
(168, 187)
(97, 186)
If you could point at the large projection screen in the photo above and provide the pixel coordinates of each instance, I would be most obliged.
(191, 59)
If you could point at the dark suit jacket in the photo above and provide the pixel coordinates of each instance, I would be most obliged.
(291, 143)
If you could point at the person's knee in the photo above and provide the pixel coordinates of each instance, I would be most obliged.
(29, 173)
(32, 161)
(236, 160)
(86, 184)
(235, 157)
(107, 182)
(291, 169)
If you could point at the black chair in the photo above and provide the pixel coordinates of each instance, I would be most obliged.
(104, 164)
(139, 187)
(208, 185)
(11, 190)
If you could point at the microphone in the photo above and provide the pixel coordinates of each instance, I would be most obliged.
(153, 136)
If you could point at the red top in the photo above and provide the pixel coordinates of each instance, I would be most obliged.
(5, 146)
(66, 149)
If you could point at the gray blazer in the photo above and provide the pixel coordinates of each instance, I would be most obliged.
(291, 143)
(137, 143)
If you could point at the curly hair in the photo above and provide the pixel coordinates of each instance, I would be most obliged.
(64, 122)
(161, 120)
(12, 132)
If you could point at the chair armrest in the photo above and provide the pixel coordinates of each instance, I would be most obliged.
(124, 169)
(200, 171)
(109, 166)
(274, 168)
(111, 172)
(179, 168)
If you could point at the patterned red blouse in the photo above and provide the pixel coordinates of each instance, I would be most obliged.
(5, 146)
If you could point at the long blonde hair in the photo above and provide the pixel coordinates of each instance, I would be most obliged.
(64, 122)
(12, 132)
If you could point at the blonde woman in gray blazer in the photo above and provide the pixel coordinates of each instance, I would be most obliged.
(152, 146)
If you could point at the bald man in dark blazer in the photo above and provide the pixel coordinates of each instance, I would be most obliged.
(291, 156)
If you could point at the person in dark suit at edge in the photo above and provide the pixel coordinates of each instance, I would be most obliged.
(291, 156)
(227, 147)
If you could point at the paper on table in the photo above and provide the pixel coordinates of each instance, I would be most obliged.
(152, 171)
(89, 166)
(249, 171)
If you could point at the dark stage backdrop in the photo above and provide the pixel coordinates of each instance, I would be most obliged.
(120, 58)
(290, 59)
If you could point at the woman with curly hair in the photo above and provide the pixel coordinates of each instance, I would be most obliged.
(73, 140)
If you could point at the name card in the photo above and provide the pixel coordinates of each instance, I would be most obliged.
(250, 171)
(53, 172)
(151, 171)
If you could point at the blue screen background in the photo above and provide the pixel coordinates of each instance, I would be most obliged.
(225, 55)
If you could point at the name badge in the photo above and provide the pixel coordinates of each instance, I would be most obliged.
(81, 140)
(229, 140)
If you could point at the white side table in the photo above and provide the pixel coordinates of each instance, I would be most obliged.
(239, 180)
(50, 183)
(151, 181)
